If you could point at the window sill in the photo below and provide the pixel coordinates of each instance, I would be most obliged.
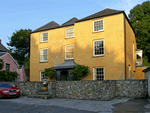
(69, 58)
(43, 61)
(99, 56)
(44, 42)
(68, 37)
(98, 31)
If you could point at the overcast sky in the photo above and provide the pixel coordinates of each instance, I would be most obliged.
(32, 14)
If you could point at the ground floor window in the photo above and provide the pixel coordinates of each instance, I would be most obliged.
(98, 73)
(41, 75)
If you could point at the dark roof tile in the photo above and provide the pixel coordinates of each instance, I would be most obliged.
(102, 13)
(50, 25)
(3, 48)
(3, 53)
(70, 22)
(147, 69)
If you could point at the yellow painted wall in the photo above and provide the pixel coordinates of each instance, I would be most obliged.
(56, 49)
(113, 60)
(113, 36)
(130, 55)
(139, 73)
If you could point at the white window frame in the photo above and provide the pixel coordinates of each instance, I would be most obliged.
(101, 29)
(40, 75)
(94, 47)
(40, 55)
(41, 38)
(66, 32)
(94, 73)
(66, 51)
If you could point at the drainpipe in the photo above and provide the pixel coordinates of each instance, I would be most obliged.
(125, 43)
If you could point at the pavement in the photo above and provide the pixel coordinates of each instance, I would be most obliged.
(30, 105)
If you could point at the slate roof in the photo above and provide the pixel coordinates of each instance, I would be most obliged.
(105, 12)
(68, 64)
(102, 13)
(147, 69)
(3, 48)
(70, 22)
(3, 53)
(50, 25)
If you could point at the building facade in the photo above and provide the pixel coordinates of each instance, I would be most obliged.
(104, 41)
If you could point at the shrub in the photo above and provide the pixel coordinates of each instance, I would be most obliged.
(8, 76)
(48, 72)
(79, 71)
(1, 64)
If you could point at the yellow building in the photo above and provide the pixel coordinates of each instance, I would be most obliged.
(104, 41)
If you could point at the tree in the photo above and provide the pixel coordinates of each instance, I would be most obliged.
(1, 64)
(20, 45)
(139, 18)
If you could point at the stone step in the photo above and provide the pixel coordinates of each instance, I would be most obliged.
(43, 93)
(40, 96)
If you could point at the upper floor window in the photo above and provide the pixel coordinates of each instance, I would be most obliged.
(98, 25)
(70, 32)
(44, 55)
(44, 37)
(98, 73)
(98, 47)
(7, 67)
(69, 52)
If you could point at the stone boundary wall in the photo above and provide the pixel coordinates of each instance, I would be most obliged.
(28, 88)
(91, 90)
(98, 90)
(131, 88)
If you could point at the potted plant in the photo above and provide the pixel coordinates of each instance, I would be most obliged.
(45, 86)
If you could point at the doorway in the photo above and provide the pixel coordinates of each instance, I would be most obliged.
(64, 75)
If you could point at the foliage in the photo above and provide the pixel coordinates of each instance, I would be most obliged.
(140, 20)
(1, 64)
(8, 76)
(79, 71)
(20, 45)
(27, 63)
(145, 61)
(48, 72)
(46, 85)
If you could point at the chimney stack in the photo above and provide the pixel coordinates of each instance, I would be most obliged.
(0, 41)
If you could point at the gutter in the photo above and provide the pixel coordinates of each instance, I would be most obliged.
(125, 45)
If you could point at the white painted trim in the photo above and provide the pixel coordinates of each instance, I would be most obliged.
(47, 55)
(42, 37)
(98, 30)
(4, 54)
(65, 51)
(94, 72)
(66, 33)
(94, 48)
(40, 75)
(11, 58)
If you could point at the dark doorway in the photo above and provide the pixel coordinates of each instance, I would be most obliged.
(64, 75)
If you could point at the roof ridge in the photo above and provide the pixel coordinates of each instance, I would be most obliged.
(69, 21)
(98, 13)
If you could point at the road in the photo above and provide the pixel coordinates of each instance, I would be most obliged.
(29, 105)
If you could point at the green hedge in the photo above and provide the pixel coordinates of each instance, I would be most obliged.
(79, 71)
(8, 76)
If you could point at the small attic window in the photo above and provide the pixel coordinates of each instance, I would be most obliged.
(70, 32)
(98, 25)
(44, 37)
